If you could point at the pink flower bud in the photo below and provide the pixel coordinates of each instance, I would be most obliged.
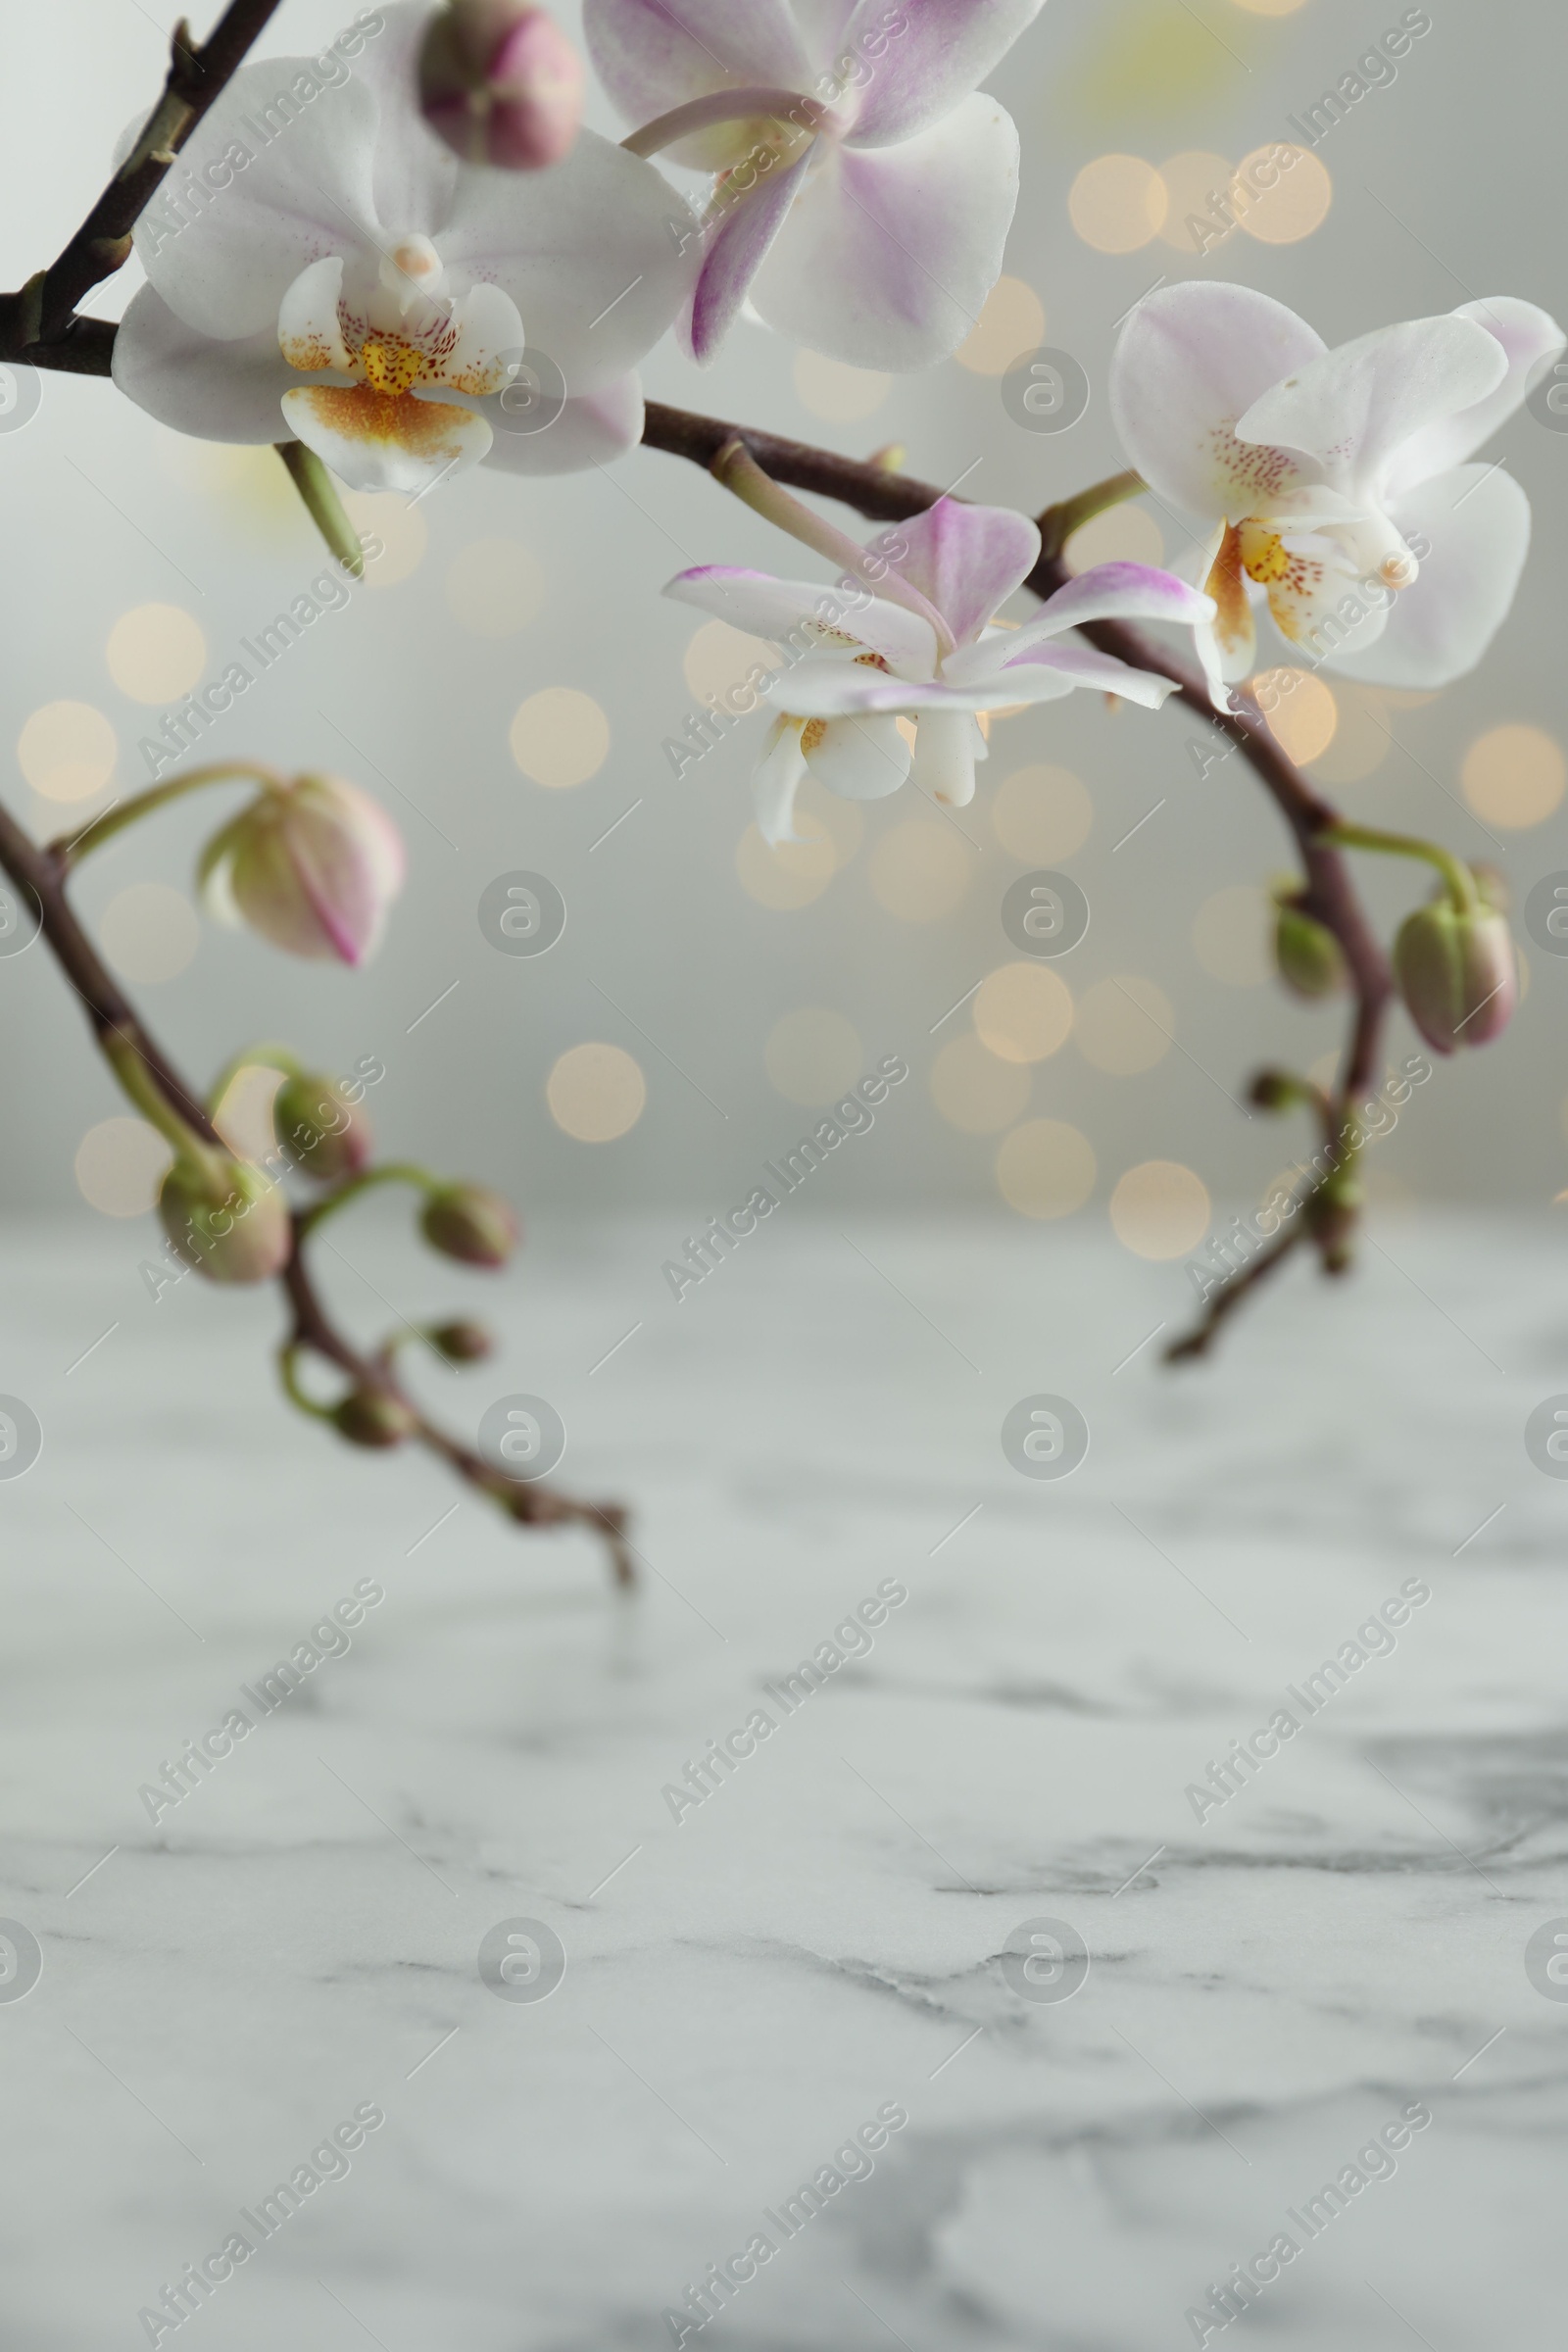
(321, 1129)
(226, 1219)
(468, 1222)
(374, 1417)
(1456, 973)
(313, 866)
(500, 84)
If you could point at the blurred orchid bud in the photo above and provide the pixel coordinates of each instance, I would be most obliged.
(463, 1343)
(374, 1417)
(1332, 1214)
(1497, 890)
(468, 1222)
(313, 865)
(500, 84)
(319, 1128)
(1274, 1089)
(1310, 961)
(226, 1219)
(1456, 973)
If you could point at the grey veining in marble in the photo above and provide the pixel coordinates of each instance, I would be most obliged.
(827, 1932)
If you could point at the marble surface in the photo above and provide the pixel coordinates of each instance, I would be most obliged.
(827, 1933)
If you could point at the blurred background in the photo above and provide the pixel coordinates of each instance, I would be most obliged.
(505, 680)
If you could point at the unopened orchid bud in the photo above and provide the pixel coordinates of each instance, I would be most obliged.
(1495, 887)
(500, 84)
(463, 1343)
(1332, 1214)
(313, 865)
(226, 1219)
(1310, 961)
(467, 1221)
(323, 1132)
(1274, 1089)
(1456, 973)
(374, 1417)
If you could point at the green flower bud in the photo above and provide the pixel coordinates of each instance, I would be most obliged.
(226, 1219)
(1456, 973)
(374, 1417)
(1274, 1089)
(463, 1343)
(469, 1222)
(323, 1132)
(1311, 963)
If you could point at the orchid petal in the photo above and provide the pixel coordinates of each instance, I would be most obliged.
(888, 255)
(1528, 338)
(1317, 601)
(1086, 665)
(652, 56)
(777, 780)
(310, 331)
(591, 430)
(856, 758)
(735, 246)
(943, 758)
(373, 441)
(1353, 408)
(1192, 360)
(1477, 520)
(1104, 592)
(775, 609)
(946, 48)
(966, 561)
(217, 391)
(489, 339)
(822, 689)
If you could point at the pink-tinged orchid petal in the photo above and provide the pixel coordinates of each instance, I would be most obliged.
(1351, 409)
(966, 561)
(1084, 665)
(775, 610)
(313, 867)
(653, 55)
(1477, 521)
(889, 254)
(943, 757)
(778, 778)
(376, 441)
(1191, 361)
(736, 239)
(1529, 337)
(832, 689)
(593, 430)
(913, 78)
(857, 757)
(1104, 592)
(214, 391)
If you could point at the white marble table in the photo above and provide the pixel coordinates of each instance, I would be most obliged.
(823, 1935)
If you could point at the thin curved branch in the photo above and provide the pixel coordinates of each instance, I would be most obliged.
(39, 873)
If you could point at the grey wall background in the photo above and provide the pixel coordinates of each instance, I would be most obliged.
(1446, 184)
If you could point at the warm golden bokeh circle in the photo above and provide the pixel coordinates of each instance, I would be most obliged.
(1045, 1168)
(596, 1093)
(1301, 711)
(1294, 206)
(1514, 776)
(1023, 1012)
(66, 751)
(1041, 814)
(1011, 322)
(156, 652)
(398, 528)
(1119, 203)
(121, 1164)
(921, 870)
(559, 737)
(719, 660)
(1159, 1209)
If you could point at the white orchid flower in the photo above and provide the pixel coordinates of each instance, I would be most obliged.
(333, 274)
(864, 187)
(930, 650)
(1335, 483)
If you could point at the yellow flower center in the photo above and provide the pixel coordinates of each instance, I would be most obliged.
(389, 364)
(1264, 555)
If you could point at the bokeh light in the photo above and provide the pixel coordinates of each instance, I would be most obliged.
(1011, 321)
(1117, 203)
(1023, 1012)
(1233, 935)
(1122, 534)
(840, 393)
(814, 1055)
(719, 658)
(66, 751)
(156, 652)
(975, 1092)
(1045, 1168)
(1361, 738)
(1159, 1209)
(1514, 776)
(920, 870)
(495, 587)
(1298, 203)
(1042, 814)
(121, 1164)
(1123, 1025)
(400, 529)
(596, 1093)
(559, 737)
(149, 932)
(1301, 711)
